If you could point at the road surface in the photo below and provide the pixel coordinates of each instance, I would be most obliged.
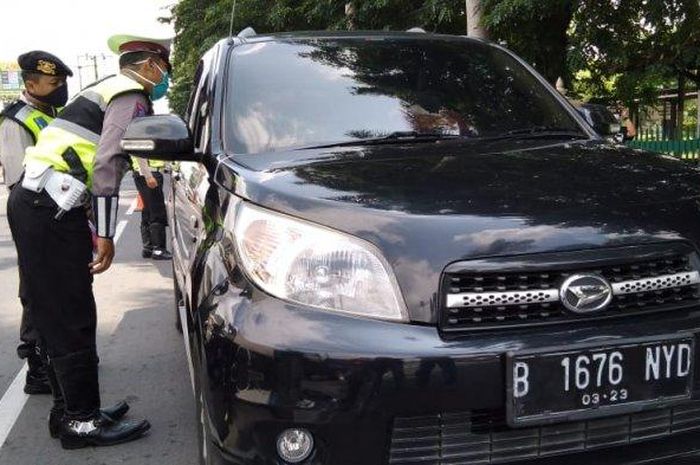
(142, 359)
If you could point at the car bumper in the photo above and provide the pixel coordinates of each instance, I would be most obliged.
(267, 365)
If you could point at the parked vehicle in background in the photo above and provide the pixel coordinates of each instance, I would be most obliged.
(604, 122)
(406, 249)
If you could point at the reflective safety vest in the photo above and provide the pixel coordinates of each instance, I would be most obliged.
(155, 164)
(30, 118)
(79, 127)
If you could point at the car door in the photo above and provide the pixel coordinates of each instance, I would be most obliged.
(190, 184)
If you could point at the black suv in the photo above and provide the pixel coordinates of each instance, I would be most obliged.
(408, 249)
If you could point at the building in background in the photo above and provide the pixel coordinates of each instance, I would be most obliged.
(10, 83)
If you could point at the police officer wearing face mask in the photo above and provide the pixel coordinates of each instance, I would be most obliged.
(79, 153)
(46, 91)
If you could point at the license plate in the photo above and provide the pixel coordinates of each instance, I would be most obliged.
(587, 382)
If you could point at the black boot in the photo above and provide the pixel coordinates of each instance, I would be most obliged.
(158, 239)
(114, 412)
(146, 241)
(37, 381)
(83, 424)
(59, 405)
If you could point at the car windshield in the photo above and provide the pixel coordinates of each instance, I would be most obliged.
(304, 92)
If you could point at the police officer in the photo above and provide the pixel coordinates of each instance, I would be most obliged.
(46, 91)
(148, 177)
(79, 152)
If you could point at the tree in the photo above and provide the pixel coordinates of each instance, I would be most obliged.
(199, 24)
(607, 49)
(534, 29)
(475, 26)
(640, 45)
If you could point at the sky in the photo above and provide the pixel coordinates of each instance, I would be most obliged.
(72, 28)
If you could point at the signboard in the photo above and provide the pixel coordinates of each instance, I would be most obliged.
(10, 81)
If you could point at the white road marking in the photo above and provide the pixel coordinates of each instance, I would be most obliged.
(11, 404)
(132, 207)
(120, 230)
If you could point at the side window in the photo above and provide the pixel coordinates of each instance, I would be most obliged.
(193, 95)
(198, 112)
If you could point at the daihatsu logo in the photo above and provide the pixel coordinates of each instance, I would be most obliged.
(585, 293)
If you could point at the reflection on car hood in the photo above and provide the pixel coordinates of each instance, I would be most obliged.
(426, 205)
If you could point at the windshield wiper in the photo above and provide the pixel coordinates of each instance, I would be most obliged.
(536, 132)
(396, 137)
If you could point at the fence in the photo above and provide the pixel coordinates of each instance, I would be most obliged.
(656, 140)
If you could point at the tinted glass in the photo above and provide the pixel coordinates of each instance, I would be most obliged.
(602, 116)
(317, 91)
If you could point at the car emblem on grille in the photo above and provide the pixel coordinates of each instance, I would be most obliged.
(585, 293)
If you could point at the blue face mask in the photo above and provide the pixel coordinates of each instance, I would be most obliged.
(159, 90)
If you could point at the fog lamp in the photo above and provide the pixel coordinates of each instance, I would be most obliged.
(294, 445)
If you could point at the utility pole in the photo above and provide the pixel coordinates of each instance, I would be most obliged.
(94, 66)
(473, 14)
(80, 74)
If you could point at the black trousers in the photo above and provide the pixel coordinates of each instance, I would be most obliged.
(153, 201)
(28, 335)
(54, 259)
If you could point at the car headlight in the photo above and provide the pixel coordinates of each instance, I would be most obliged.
(312, 265)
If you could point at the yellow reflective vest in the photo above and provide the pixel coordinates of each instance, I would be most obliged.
(155, 164)
(31, 119)
(79, 126)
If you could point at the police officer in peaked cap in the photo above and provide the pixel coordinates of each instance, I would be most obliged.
(44, 76)
(79, 155)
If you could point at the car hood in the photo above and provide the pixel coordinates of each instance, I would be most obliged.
(428, 205)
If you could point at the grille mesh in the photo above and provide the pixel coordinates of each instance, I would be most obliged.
(472, 438)
(503, 309)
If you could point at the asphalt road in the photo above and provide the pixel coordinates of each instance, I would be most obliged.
(142, 359)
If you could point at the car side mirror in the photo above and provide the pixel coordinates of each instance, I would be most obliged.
(607, 129)
(159, 137)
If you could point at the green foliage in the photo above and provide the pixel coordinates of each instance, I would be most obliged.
(604, 49)
(199, 24)
(534, 29)
(646, 43)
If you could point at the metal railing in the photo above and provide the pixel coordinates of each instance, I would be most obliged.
(655, 139)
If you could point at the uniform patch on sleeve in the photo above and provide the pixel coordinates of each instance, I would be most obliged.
(140, 110)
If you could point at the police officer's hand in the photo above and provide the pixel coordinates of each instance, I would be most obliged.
(151, 182)
(104, 256)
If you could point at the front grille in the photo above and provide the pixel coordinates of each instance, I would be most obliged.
(470, 438)
(529, 294)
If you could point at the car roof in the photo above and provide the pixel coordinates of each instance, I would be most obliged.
(358, 35)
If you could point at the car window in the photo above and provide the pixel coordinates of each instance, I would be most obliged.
(602, 116)
(301, 92)
(198, 110)
(194, 94)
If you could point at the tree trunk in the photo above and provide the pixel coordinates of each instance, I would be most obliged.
(350, 15)
(473, 14)
(681, 106)
(697, 125)
(673, 124)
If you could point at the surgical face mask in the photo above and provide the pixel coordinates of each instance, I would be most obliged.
(57, 98)
(159, 88)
